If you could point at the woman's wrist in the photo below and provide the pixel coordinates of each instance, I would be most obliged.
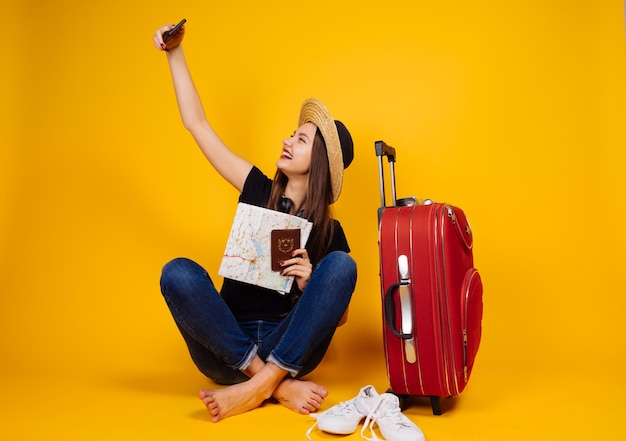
(174, 53)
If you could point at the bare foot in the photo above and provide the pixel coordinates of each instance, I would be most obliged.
(302, 397)
(233, 400)
(242, 397)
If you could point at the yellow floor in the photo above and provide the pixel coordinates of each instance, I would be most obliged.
(144, 398)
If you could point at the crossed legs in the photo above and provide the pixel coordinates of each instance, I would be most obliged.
(217, 343)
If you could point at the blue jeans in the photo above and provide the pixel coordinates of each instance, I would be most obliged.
(222, 347)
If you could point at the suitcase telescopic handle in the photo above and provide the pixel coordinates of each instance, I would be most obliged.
(383, 149)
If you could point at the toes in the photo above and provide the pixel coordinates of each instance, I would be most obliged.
(210, 404)
(316, 400)
(213, 408)
(209, 401)
(316, 407)
(322, 392)
(305, 410)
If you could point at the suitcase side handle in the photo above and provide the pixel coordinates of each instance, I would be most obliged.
(406, 310)
(390, 310)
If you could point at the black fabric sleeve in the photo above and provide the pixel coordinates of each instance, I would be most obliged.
(256, 190)
(339, 242)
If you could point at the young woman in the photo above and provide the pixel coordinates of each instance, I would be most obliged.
(257, 341)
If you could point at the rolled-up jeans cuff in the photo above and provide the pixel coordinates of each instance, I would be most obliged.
(292, 371)
(246, 361)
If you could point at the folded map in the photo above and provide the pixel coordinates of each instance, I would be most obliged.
(247, 257)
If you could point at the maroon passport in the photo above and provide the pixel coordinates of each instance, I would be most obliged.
(283, 243)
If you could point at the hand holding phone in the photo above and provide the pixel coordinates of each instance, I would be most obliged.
(169, 34)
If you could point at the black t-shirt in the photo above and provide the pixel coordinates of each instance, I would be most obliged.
(250, 302)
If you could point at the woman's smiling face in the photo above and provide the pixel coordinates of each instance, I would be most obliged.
(296, 155)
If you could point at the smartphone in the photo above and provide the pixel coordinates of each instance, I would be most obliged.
(175, 29)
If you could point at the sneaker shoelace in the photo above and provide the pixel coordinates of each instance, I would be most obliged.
(385, 411)
(342, 409)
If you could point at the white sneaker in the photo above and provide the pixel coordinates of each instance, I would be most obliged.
(343, 418)
(391, 422)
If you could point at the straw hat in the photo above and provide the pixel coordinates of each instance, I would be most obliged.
(339, 146)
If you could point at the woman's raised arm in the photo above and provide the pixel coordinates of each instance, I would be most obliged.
(231, 166)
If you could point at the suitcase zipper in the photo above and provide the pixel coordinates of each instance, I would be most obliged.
(465, 306)
(465, 353)
(464, 231)
(464, 311)
(451, 214)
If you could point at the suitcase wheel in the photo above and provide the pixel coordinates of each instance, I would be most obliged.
(435, 402)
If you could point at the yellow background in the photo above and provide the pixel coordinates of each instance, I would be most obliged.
(514, 111)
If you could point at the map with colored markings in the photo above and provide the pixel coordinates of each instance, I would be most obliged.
(247, 257)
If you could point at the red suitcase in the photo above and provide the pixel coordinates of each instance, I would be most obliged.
(431, 294)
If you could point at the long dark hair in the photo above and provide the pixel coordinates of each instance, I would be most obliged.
(316, 205)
